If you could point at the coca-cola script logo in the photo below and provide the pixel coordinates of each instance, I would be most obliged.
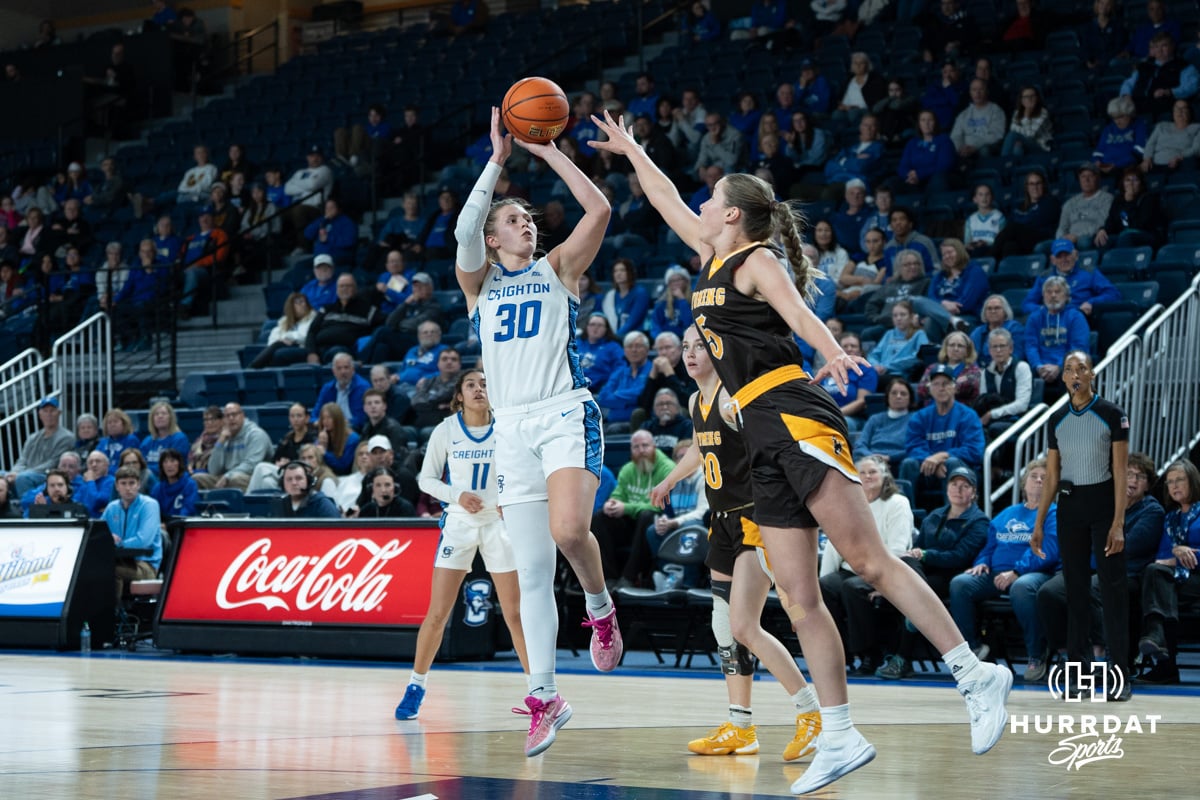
(317, 581)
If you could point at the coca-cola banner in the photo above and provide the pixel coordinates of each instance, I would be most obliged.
(309, 574)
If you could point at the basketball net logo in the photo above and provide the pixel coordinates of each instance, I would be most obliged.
(1077, 674)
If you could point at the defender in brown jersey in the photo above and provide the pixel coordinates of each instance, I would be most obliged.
(740, 573)
(747, 304)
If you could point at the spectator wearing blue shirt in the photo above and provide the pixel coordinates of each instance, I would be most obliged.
(943, 436)
(879, 216)
(850, 217)
(853, 401)
(619, 396)
(346, 391)
(945, 95)
(929, 158)
(645, 100)
(395, 282)
(334, 234)
(118, 435)
(135, 308)
(745, 116)
(1007, 565)
(59, 492)
(1122, 143)
(164, 434)
(897, 352)
(956, 293)
(1052, 331)
(997, 313)
(905, 236)
(1156, 23)
(163, 15)
(133, 520)
(436, 239)
(626, 304)
(73, 185)
(701, 25)
(1086, 287)
(812, 94)
(600, 352)
(176, 492)
(167, 245)
(96, 486)
(673, 311)
(350, 145)
(421, 360)
(276, 191)
(860, 160)
(886, 433)
(322, 289)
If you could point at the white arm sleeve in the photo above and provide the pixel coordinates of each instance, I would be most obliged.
(471, 255)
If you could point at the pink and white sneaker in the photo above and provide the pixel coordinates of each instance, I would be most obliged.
(607, 646)
(546, 717)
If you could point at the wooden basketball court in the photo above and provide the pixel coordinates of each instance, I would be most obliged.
(113, 726)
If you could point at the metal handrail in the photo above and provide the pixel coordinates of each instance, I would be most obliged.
(994, 447)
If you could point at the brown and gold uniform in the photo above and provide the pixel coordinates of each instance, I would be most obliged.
(793, 430)
(726, 466)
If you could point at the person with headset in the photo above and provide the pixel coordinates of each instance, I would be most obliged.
(384, 502)
(301, 497)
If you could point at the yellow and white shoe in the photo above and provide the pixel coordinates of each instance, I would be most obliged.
(804, 743)
(727, 740)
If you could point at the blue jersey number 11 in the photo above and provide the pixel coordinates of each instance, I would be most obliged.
(479, 476)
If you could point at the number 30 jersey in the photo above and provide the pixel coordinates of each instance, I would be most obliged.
(525, 321)
(725, 461)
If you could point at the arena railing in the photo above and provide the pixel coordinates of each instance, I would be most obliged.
(78, 374)
(23, 384)
(994, 452)
(1171, 382)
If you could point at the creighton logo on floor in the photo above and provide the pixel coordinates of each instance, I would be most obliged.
(1085, 738)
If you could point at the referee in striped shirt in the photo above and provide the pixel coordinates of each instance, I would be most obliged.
(1088, 443)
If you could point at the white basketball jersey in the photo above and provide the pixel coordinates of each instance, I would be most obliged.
(469, 459)
(526, 326)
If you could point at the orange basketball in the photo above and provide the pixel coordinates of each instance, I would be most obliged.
(535, 110)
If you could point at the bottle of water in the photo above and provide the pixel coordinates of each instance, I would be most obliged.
(85, 640)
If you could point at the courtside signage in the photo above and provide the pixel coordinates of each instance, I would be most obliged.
(303, 576)
(36, 567)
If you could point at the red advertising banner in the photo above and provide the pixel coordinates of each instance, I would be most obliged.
(292, 575)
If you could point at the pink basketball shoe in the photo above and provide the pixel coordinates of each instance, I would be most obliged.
(607, 646)
(546, 717)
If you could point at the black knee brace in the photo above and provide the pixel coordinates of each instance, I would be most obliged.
(721, 589)
(736, 660)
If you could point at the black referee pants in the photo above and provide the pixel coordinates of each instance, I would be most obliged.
(1084, 518)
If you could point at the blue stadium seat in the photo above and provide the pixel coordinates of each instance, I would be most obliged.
(1180, 254)
(1173, 279)
(260, 505)
(1142, 294)
(274, 420)
(1127, 259)
(260, 386)
(231, 499)
(221, 388)
(191, 421)
(1027, 266)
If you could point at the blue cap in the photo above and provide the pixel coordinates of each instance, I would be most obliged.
(48, 401)
(1061, 246)
(941, 369)
(206, 210)
(966, 473)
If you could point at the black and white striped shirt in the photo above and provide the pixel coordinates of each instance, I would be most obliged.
(1084, 440)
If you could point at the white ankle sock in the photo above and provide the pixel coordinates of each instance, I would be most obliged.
(741, 716)
(963, 664)
(418, 678)
(542, 686)
(805, 700)
(598, 604)
(836, 727)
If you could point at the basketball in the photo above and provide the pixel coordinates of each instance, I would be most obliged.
(535, 110)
